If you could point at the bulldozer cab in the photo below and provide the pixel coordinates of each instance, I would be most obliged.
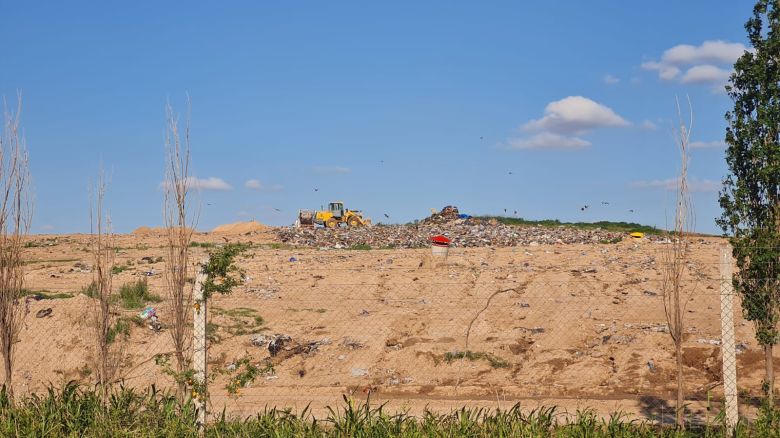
(337, 209)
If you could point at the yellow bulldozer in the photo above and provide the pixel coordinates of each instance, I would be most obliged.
(334, 216)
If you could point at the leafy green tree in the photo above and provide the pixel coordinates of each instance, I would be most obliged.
(750, 198)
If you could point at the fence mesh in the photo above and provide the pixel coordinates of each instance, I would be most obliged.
(577, 326)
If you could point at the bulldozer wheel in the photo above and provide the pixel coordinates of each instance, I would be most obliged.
(354, 222)
(331, 223)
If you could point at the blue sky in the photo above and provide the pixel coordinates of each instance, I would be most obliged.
(394, 108)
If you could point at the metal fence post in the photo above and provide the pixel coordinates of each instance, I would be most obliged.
(199, 356)
(727, 340)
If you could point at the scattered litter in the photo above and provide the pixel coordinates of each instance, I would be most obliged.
(709, 341)
(259, 340)
(150, 314)
(651, 366)
(276, 343)
(43, 313)
(363, 312)
(293, 259)
(359, 372)
(352, 343)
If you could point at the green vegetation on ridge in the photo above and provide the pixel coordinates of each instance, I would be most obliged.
(618, 227)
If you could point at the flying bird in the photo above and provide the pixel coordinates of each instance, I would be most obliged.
(584, 207)
(604, 202)
(630, 211)
(387, 216)
(277, 209)
(510, 173)
(316, 189)
(505, 210)
(480, 137)
(515, 211)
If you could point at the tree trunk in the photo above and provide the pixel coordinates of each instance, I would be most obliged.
(8, 370)
(770, 374)
(680, 388)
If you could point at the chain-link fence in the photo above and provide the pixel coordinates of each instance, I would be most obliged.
(576, 326)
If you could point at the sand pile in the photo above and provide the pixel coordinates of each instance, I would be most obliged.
(148, 231)
(240, 228)
(151, 231)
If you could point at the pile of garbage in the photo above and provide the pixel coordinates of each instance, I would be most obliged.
(462, 230)
(447, 214)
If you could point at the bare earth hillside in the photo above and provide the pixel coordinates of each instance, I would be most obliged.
(578, 324)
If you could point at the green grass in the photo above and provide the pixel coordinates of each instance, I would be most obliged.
(136, 294)
(90, 290)
(121, 327)
(495, 361)
(46, 295)
(118, 269)
(618, 227)
(274, 246)
(202, 244)
(73, 411)
(240, 321)
(31, 262)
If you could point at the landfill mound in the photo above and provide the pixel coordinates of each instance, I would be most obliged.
(240, 228)
(463, 231)
(148, 231)
(152, 231)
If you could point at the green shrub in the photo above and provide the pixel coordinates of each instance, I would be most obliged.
(136, 294)
(90, 290)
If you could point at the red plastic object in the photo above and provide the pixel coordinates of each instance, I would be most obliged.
(440, 240)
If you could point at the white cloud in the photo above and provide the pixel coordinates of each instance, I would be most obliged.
(665, 72)
(575, 115)
(694, 185)
(547, 140)
(332, 169)
(717, 51)
(210, 183)
(711, 62)
(610, 80)
(647, 124)
(705, 73)
(715, 144)
(255, 184)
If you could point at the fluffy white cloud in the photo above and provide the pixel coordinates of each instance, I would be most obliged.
(647, 124)
(547, 140)
(694, 185)
(210, 183)
(715, 144)
(665, 72)
(610, 80)
(255, 184)
(711, 62)
(575, 115)
(705, 73)
(718, 52)
(332, 169)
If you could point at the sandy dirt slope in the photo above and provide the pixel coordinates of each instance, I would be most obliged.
(574, 325)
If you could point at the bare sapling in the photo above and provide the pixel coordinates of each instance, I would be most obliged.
(179, 225)
(103, 252)
(15, 218)
(675, 260)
